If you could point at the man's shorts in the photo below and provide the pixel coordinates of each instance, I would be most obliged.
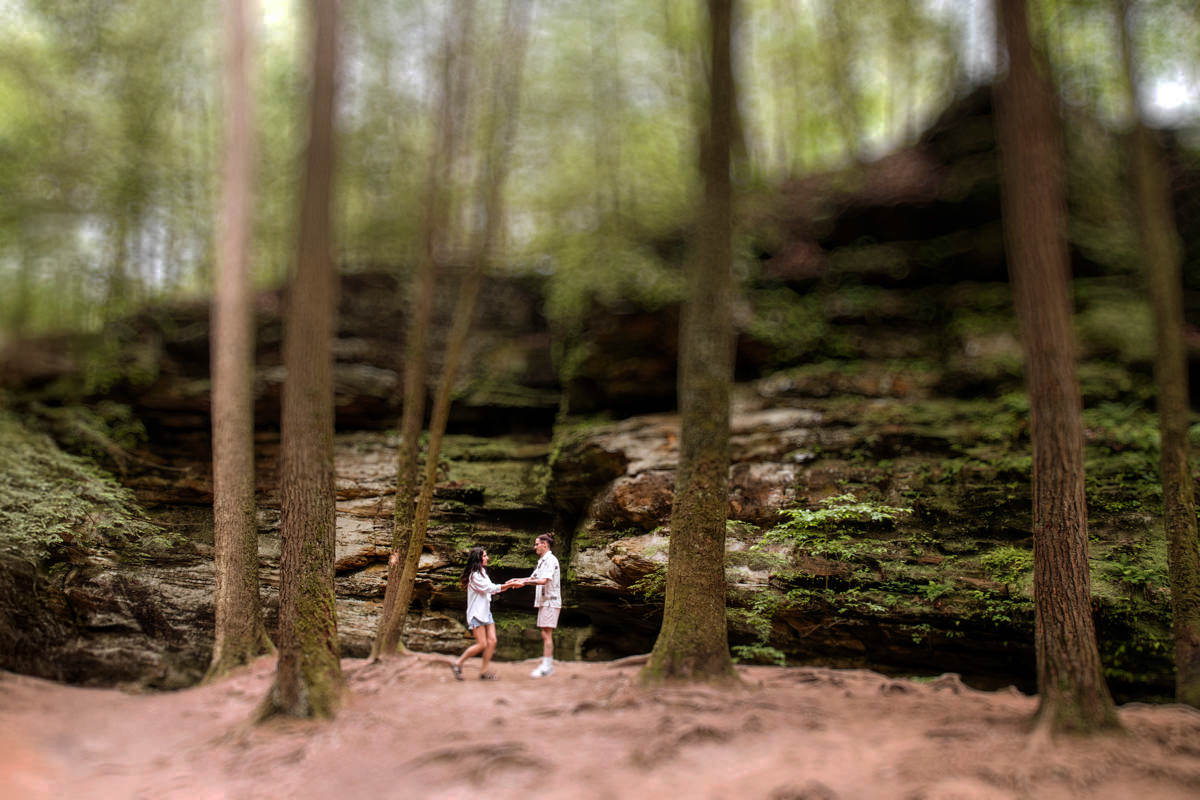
(548, 617)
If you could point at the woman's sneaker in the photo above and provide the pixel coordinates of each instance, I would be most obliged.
(542, 670)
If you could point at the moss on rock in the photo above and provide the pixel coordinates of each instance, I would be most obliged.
(52, 502)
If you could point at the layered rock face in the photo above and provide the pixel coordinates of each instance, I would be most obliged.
(879, 505)
(928, 572)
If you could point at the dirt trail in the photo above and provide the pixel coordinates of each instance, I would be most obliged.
(408, 730)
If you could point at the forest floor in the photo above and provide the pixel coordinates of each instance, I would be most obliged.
(408, 730)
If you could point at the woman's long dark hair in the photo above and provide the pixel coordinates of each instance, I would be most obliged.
(474, 564)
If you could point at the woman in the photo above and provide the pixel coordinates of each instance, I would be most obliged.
(479, 613)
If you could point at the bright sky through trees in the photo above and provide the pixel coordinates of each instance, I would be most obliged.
(108, 117)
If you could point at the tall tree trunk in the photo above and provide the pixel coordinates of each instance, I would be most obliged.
(308, 677)
(116, 300)
(798, 160)
(398, 594)
(848, 99)
(607, 124)
(240, 634)
(1161, 253)
(20, 314)
(1070, 681)
(693, 643)
(502, 122)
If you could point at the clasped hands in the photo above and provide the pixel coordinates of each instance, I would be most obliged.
(513, 583)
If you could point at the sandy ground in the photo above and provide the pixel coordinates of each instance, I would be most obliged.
(408, 730)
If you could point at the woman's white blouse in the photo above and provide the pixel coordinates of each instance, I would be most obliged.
(479, 595)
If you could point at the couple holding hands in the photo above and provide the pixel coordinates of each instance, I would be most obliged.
(547, 599)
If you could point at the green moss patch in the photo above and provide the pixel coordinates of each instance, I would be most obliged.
(52, 502)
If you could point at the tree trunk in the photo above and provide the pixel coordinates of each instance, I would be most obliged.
(1070, 681)
(20, 313)
(308, 678)
(1161, 252)
(240, 634)
(848, 100)
(116, 301)
(502, 122)
(693, 643)
(398, 594)
(604, 41)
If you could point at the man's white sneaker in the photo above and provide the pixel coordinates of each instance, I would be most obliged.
(542, 671)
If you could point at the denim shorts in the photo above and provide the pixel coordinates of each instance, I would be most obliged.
(475, 622)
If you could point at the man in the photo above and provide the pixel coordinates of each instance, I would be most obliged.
(547, 598)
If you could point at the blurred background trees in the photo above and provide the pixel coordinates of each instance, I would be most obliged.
(110, 148)
(109, 129)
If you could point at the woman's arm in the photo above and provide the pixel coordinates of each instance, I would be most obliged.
(481, 583)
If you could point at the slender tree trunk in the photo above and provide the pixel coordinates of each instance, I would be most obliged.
(202, 192)
(502, 121)
(308, 678)
(1070, 681)
(799, 161)
(240, 634)
(848, 101)
(607, 125)
(398, 594)
(1161, 252)
(117, 289)
(20, 314)
(693, 643)
(903, 74)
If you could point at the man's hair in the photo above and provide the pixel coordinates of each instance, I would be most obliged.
(548, 538)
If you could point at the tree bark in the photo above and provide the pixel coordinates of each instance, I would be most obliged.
(848, 97)
(502, 122)
(308, 677)
(1073, 695)
(1162, 255)
(604, 41)
(239, 633)
(693, 643)
(22, 308)
(398, 594)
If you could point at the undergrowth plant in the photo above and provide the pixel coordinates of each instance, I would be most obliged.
(834, 530)
(1007, 565)
(758, 617)
(652, 585)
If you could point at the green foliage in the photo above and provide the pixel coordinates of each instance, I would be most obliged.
(609, 273)
(1108, 381)
(1123, 426)
(1134, 574)
(793, 325)
(653, 585)
(758, 654)
(755, 559)
(934, 590)
(1007, 565)
(920, 632)
(51, 501)
(1122, 458)
(758, 617)
(101, 432)
(856, 599)
(1001, 610)
(834, 529)
(1120, 329)
(1136, 643)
